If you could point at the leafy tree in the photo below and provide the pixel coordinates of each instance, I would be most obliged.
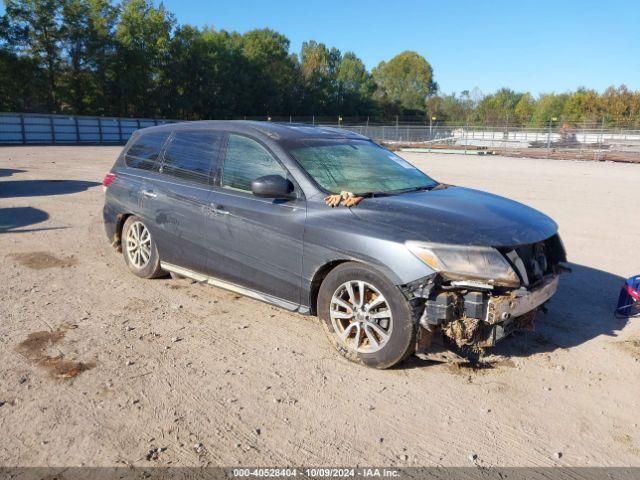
(523, 111)
(273, 72)
(206, 76)
(406, 81)
(498, 108)
(99, 57)
(143, 35)
(620, 106)
(548, 106)
(582, 106)
(318, 66)
(35, 28)
(355, 86)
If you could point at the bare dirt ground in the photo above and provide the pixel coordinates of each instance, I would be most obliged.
(98, 367)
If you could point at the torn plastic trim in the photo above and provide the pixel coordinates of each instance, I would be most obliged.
(471, 316)
(521, 301)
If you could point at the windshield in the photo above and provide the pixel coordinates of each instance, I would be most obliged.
(358, 166)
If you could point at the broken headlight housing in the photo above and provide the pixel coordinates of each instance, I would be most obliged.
(461, 262)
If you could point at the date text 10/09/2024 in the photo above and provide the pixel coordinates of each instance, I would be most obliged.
(316, 472)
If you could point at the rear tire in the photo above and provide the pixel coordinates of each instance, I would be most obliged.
(139, 249)
(365, 316)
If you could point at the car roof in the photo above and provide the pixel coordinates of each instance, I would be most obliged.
(274, 130)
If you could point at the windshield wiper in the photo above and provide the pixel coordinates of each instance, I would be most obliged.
(372, 194)
(396, 192)
(423, 188)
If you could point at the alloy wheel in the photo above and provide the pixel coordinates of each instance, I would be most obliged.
(361, 316)
(138, 245)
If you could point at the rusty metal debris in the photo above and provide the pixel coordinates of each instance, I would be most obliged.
(349, 199)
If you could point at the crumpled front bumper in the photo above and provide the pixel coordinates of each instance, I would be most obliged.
(519, 302)
(482, 319)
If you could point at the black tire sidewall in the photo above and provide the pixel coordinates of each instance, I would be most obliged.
(403, 333)
(152, 268)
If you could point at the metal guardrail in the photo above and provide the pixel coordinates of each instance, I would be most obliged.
(31, 129)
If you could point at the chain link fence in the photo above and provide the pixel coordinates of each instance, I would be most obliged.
(552, 142)
(555, 141)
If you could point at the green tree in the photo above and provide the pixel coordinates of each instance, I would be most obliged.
(36, 27)
(405, 81)
(620, 106)
(273, 72)
(143, 34)
(548, 106)
(498, 108)
(206, 75)
(318, 67)
(354, 85)
(582, 106)
(523, 111)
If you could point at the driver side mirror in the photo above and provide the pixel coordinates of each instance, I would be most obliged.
(272, 186)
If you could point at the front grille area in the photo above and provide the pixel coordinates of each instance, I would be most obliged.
(536, 259)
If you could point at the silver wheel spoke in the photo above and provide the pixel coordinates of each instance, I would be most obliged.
(352, 297)
(138, 245)
(360, 293)
(370, 336)
(347, 332)
(354, 322)
(342, 303)
(381, 333)
(338, 314)
(382, 314)
(380, 299)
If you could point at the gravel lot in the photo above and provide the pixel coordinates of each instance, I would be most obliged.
(98, 367)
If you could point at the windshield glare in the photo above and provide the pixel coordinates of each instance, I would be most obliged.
(357, 166)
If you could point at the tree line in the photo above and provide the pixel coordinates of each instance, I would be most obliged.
(615, 107)
(132, 58)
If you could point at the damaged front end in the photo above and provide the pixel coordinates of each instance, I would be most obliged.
(473, 310)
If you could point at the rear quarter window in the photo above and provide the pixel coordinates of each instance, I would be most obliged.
(144, 153)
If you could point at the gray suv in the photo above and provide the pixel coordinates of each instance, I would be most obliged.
(400, 261)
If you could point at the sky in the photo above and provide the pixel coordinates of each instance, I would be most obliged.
(537, 46)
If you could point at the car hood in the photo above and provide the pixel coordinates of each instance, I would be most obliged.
(458, 215)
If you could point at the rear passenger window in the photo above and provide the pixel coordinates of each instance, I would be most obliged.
(245, 161)
(192, 155)
(145, 151)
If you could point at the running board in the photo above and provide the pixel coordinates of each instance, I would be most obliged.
(216, 282)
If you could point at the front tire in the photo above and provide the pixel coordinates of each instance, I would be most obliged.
(139, 249)
(365, 316)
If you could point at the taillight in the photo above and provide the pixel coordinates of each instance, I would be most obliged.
(108, 178)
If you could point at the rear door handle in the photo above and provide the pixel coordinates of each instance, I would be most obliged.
(149, 193)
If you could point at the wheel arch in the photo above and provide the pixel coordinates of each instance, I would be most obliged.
(317, 280)
(322, 272)
(117, 238)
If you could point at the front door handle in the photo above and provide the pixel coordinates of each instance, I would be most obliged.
(220, 210)
(149, 193)
(216, 209)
